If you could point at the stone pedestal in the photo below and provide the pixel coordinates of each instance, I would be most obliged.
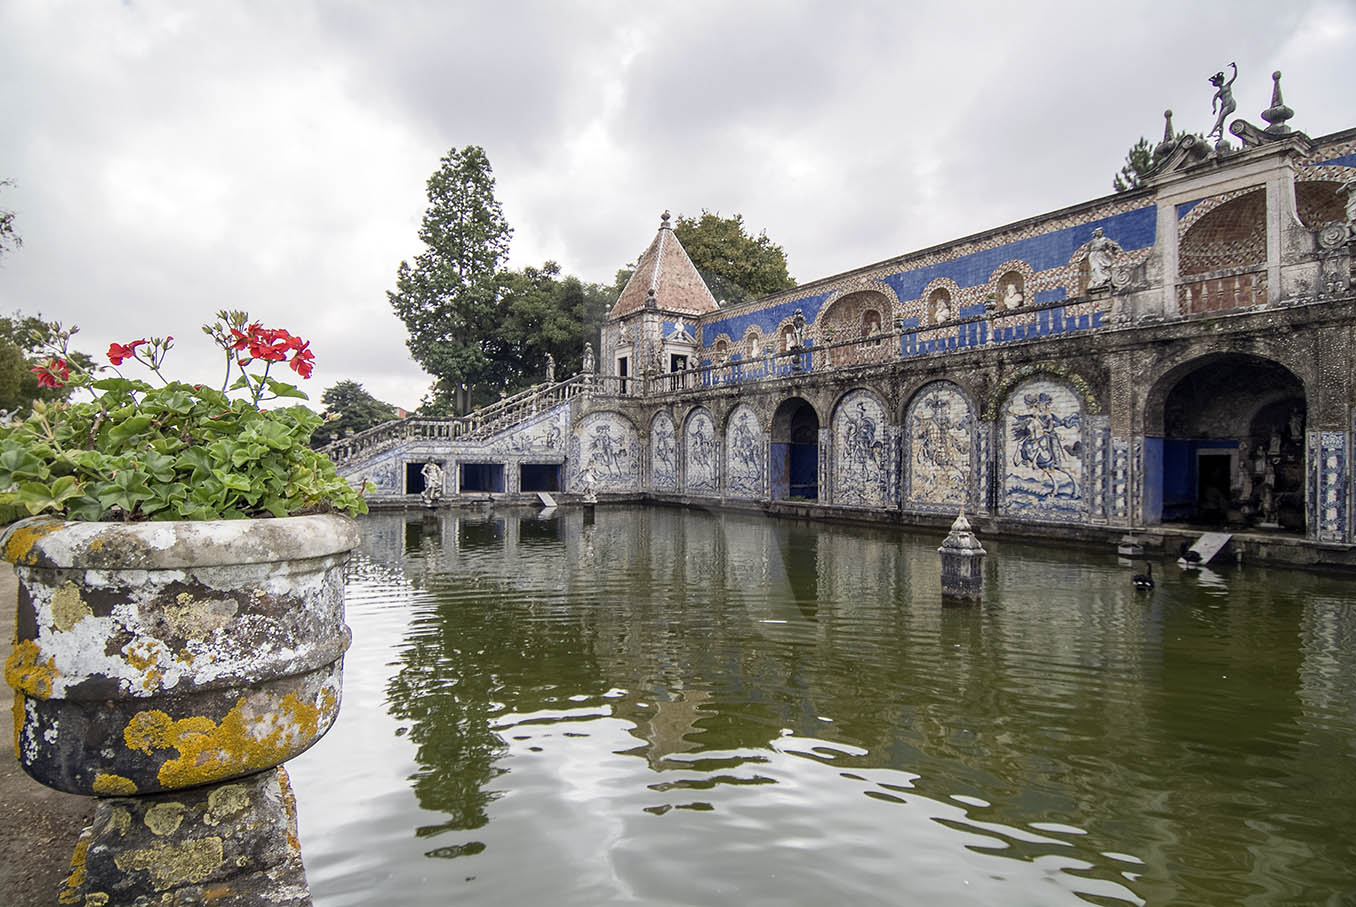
(231, 844)
(962, 563)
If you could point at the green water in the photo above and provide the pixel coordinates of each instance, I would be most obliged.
(660, 706)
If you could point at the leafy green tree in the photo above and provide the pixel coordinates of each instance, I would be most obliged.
(735, 265)
(546, 313)
(448, 298)
(349, 407)
(24, 341)
(9, 238)
(1139, 160)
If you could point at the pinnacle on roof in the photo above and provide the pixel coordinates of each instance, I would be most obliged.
(667, 276)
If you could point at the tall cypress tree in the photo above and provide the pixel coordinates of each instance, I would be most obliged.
(448, 298)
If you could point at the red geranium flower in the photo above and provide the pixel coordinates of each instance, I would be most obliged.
(117, 352)
(303, 359)
(52, 373)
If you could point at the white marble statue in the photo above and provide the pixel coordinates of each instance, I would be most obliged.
(589, 363)
(1012, 297)
(433, 483)
(1101, 253)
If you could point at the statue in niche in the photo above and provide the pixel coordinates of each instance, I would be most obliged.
(1012, 296)
(797, 329)
(941, 309)
(433, 483)
(550, 369)
(1102, 253)
(589, 363)
(1349, 187)
(1244, 473)
(1223, 100)
(1296, 426)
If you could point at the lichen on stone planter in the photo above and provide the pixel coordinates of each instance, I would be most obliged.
(157, 656)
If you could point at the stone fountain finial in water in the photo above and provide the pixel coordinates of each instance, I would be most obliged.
(962, 562)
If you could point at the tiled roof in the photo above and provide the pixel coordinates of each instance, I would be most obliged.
(665, 269)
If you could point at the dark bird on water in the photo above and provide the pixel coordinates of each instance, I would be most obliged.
(1144, 581)
(1189, 555)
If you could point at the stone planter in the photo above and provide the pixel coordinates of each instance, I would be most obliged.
(152, 657)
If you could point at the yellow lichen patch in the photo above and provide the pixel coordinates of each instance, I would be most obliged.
(251, 737)
(289, 803)
(121, 821)
(107, 784)
(19, 546)
(68, 608)
(26, 671)
(225, 801)
(20, 714)
(165, 818)
(96, 899)
(70, 892)
(171, 865)
(195, 618)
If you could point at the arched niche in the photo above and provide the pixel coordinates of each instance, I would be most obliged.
(793, 459)
(940, 450)
(1042, 452)
(701, 466)
(861, 450)
(745, 454)
(663, 453)
(1225, 444)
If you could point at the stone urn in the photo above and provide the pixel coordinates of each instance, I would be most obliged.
(152, 657)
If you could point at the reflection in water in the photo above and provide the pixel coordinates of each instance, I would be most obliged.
(668, 706)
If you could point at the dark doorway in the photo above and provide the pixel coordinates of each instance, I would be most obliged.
(539, 477)
(623, 369)
(677, 363)
(414, 478)
(482, 477)
(1212, 487)
(1230, 449)
(795, 451)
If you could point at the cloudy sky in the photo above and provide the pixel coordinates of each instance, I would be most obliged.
(173, 158)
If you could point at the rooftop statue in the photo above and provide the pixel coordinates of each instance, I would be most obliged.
(1223, 100)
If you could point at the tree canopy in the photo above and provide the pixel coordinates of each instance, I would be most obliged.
(448, 298)
(735, 265)
(1139, 160)
(349, 407)
(9, 237)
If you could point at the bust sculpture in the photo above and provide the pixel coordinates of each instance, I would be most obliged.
(1012, 296)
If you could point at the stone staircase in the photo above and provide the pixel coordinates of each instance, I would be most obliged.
(478, 425)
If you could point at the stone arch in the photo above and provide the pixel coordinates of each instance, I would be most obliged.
(793, 458)
(1010, 284)
(1004, 388)
(745, 454)
(606, 445)
(701, 461)
(842, 315)
(1230, 234)
(1225, 442)
(940, 449)
(861, 449)
(1042, 451)
(663, 453)
(1318, 202)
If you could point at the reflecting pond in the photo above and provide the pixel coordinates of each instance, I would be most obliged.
(665, 706)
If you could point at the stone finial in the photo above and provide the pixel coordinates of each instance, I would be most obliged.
(962, 561)
(664, 221)
(1166, 145)
(1277, 113)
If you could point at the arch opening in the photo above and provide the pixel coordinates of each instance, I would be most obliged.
(1232, 450)
(794, 451)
